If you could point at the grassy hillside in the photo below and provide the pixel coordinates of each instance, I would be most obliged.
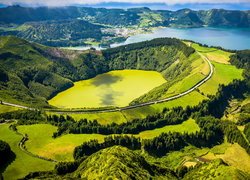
(4, 108)
(23, 163)
(31, 74)
(60, 33)
(216, 170)
(224, 73)
(192, 70)
(120, 163)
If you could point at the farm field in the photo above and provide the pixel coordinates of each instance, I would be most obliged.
(41, 142)
(115, 88)
(23, 163)
(61, 148)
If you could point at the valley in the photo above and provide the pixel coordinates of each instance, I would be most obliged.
(95, 93)
(61, 148)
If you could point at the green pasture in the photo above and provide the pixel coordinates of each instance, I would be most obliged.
(187, 126)
(41, 142)
(223, 74)
(23, 163)
(61, 148)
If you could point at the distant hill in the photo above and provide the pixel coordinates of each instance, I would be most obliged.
(58, 33)
(133, 16)
(72, 26)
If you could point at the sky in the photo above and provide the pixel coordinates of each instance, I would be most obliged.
(153, 4)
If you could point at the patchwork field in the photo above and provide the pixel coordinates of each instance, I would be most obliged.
(224, 72)
(115, 88)
(23, 163)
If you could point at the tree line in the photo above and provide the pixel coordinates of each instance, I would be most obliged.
(108, 53)
(212, 132)
(68, 125)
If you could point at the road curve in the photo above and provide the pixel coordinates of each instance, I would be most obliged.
(137, 105)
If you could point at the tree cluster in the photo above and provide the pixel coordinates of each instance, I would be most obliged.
(109, 53)
(24, 116)
(5, 152)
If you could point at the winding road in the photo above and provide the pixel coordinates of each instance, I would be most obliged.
(137, 105)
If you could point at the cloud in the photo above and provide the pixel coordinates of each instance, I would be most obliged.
(89, 2)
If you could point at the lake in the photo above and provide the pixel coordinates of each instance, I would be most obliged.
(228, 38)
(115, 88)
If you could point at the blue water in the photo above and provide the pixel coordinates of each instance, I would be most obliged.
(228, 38)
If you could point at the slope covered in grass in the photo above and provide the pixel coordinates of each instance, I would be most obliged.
(120, 163)
(216, 169)
(23, 163)
(31, 74)
(41, 142)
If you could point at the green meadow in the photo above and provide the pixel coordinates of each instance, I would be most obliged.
(187, 126)
(5, 108)
(23, 163)
(115, 88)
(223, 74)
(41, 142)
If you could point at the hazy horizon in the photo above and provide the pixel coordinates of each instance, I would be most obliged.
(153, 6)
